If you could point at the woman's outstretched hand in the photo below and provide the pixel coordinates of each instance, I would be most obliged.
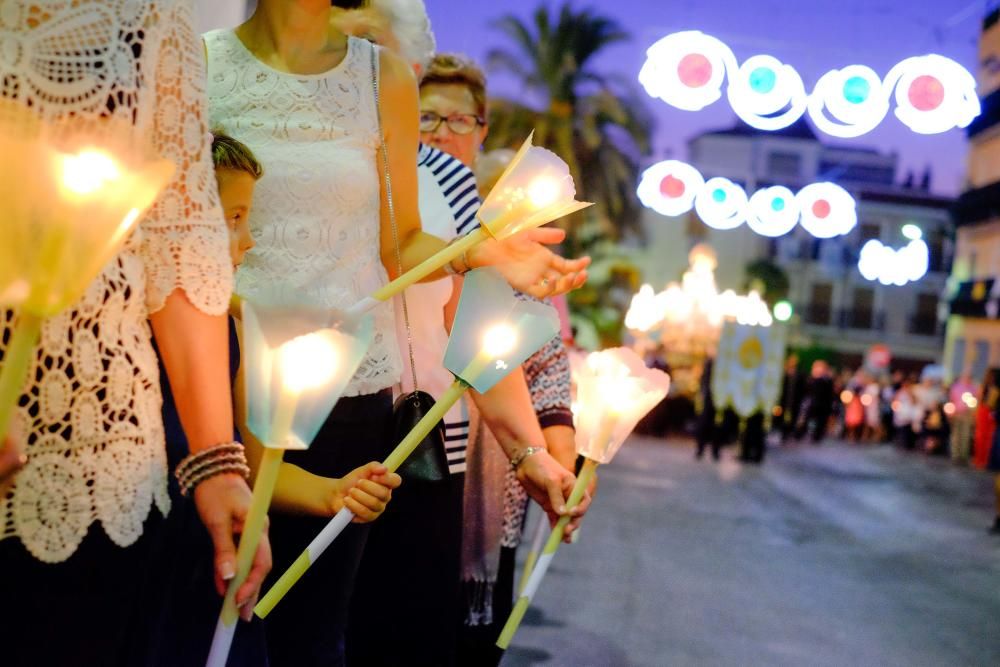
(528, 265)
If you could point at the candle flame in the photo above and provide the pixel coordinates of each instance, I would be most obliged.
(499, 340)
(543, 192)
(88, 171)
(307, 362)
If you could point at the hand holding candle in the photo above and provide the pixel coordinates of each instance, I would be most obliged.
(294, 377)
(614, 390)
(493, 333)
(69, 198)
(535, 189)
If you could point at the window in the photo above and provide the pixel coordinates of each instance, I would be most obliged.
(868, 231)
(958, 358)
(820, 301)
(862, 312)
(980, 358)
(784, 164)
(924, 321)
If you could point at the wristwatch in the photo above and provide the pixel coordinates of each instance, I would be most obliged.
(523, 455)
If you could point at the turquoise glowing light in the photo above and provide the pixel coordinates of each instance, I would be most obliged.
(778, 204)
(762, 80)
(719, 195)
(856, 90)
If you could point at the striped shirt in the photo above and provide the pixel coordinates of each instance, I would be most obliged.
(449, 201)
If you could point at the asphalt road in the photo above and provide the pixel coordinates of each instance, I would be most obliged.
(831, 555)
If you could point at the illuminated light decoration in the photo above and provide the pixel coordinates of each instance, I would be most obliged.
(767, 94)
(933, 94)
(721, 204)
(783, 311)
(686, 69)
(773, 211)
(893, 267)
(846, 396)
(673, 188)
(670, 187)
(849, 102)
(912, 232)
(817, 203)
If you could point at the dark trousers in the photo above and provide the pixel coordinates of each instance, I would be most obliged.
(754, 442)
(406, 601)
(81, 611)
(307, 627)
(477, 643)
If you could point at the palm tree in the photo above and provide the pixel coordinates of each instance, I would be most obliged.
(597, 124)
(592, 121)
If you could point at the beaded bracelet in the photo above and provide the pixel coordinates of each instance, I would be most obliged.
(196, 468)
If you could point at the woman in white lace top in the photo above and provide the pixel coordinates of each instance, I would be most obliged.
(76, 523)
(300, 94)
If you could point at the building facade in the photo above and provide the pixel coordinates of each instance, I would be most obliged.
(836, 307)
(972, 342)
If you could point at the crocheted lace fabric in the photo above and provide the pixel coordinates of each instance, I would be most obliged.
(90, 412)
(315, 215)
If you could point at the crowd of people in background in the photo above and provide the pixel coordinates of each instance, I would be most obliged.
(917, 412)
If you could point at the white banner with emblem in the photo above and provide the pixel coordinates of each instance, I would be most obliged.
(746, 375)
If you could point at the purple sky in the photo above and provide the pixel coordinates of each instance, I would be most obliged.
(813, 36)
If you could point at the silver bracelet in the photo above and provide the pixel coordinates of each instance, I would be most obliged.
(521, 457)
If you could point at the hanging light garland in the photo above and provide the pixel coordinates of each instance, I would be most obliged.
(932, 93)
(673, 188)
(895, 267)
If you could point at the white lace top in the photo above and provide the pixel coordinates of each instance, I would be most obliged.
(91, 413)
(315, 215)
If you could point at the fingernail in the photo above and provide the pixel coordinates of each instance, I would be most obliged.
(562, 509)
(227, 571)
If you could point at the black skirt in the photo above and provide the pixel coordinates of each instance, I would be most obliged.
(307, 627)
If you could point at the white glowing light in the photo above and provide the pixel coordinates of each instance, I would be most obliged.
(912, 232)
(721, 204)
(893, 267)
(646, 310)
(543, 192)
(307, 362)
(826, 210)
(670, 187)
(774, 211)
(849, 102)
(673, 187)
(686, 69)
(88, 171)
(933, 94)
(783, 311)
(767, 94)
(499, 340)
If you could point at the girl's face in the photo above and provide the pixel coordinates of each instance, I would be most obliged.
(236, 194)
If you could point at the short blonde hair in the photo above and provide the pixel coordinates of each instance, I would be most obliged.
(228, 153)
(456, 69)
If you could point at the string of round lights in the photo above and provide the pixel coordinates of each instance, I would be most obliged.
(932, 93)
(673, 188)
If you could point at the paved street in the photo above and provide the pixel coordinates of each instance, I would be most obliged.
(831, 555)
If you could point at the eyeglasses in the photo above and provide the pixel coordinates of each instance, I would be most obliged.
(458, 123)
